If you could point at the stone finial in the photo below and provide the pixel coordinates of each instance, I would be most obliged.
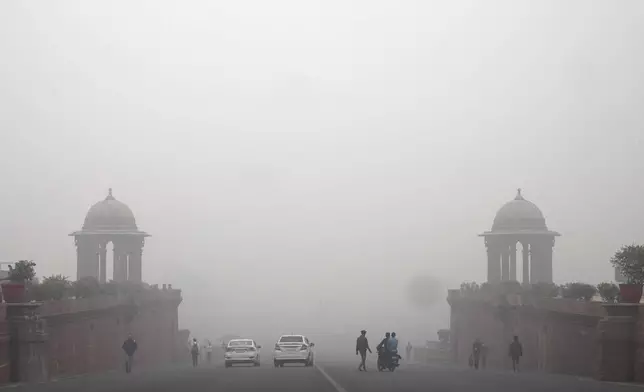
(109, 195)
(519, 196)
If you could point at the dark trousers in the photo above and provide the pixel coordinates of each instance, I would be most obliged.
(515, 364)
(195, 359)
(128, 364)
(363, 358)
(476, 357)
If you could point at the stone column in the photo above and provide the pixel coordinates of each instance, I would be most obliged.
(493, 261)
(103, 262)
(513, 261)
(86, 257)
(78, 241)
(120, 262)
(28, 344)
(505, 263)
(135, 270)
(617, 343)
(546, 268)
(535, 261)
(526, 262)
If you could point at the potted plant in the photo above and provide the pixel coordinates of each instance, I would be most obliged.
(608, 291)
(20, 273)
(629, 260)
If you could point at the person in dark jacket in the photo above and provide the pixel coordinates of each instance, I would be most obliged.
(477, 347)
(362, 345)
(515, 352)
(383, 343)
(194, 351)
(129, 346)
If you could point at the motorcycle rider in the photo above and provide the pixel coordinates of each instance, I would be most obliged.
(392, 345)
(383, 343)
(382, 349)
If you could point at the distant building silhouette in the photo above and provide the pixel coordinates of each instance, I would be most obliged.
(110, 221)
(519, 221)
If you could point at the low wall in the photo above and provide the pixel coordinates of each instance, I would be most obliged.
(86, 335)
(558, 335)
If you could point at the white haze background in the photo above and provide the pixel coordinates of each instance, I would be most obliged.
(298, 162)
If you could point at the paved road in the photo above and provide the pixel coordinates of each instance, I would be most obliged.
(339, 375)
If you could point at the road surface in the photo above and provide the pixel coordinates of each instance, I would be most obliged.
(337, 375)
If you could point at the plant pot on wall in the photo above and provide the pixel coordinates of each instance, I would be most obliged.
(13, 292)
(630, 293)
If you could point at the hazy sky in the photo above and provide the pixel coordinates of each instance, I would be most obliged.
(337, 145)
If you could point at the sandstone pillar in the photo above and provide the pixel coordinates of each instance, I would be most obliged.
(135, 272)
(86, 257)
(27, 348)
(535, 262)
(454, 321)
(505, 263)
(617, 343)
(103, 262)
(526, 262)
(493, 261)
(546, 268)
(513, 261)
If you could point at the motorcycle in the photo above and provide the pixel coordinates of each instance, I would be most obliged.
(388, 361)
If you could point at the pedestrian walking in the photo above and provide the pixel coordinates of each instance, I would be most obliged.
(515, 352)
(476, 352)
(362, 346)
(194, 351)
(408, 349)
(129, 347)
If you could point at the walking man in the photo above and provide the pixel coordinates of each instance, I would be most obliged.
(408, 348)
(362, 345)
(515, 352)
(476, 352)
(129, 346)
(194, 350)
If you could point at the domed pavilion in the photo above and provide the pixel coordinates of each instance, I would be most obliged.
(108, 221)
(519, 221)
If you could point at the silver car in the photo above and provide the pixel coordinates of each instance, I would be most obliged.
(242, 351)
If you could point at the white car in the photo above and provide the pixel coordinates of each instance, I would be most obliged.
(242, 351)
(293, 349)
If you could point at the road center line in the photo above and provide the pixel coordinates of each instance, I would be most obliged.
(337, 386)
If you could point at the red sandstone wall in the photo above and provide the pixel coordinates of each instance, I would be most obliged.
(5, 366)
(90, 340)
(552, 341)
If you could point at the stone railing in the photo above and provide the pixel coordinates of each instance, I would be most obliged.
(106, 301)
